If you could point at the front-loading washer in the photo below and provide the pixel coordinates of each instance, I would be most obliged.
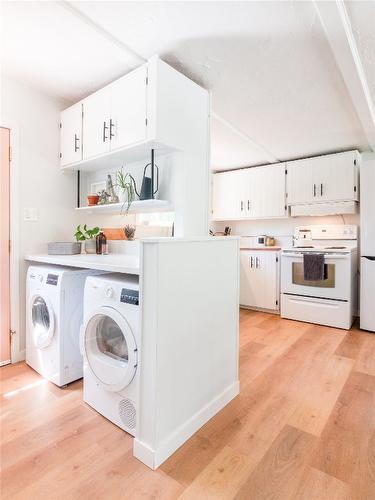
(110, 343)
(54, 313)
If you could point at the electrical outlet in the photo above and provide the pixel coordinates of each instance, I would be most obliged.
(30, 214)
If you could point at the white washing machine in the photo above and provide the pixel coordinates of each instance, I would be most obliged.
(110, 341)
(54, 312)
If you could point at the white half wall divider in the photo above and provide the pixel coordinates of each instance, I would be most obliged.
(189, 344)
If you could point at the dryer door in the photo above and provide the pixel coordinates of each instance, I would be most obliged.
(42, 320)
(110, 349)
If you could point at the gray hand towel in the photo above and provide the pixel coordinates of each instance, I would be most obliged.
(313, 266)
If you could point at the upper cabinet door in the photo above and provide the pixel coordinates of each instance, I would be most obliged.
(268, 191)
(228, 202)
(335, 177)
(96, 123)
(300, 186)
(128, 109)
(71, 135)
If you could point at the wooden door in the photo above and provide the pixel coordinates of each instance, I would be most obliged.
(128, 109)
(71, 135)
(4, 247)
(96, 123)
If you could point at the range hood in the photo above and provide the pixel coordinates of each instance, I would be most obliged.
(331, 208)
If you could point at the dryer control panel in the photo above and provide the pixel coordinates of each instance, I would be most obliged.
(130, 296)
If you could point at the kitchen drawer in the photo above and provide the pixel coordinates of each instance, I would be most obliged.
(320, 311)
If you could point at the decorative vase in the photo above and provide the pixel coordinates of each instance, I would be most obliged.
(92, 199)
(90, 246)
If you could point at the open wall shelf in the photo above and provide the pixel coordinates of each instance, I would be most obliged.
(137, 207)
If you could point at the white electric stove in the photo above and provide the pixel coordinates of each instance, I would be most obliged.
(331, 301)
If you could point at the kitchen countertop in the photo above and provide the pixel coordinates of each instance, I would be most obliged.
(267, 249)
(115, 263)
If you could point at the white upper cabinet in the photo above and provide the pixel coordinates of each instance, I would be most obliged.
(226, 200)
(115, 116)
(127, 123)
(250, 193)
(71, 135)
(96, 123)
(148, 108)
(331, 178)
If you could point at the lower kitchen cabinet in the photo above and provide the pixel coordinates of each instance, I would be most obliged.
(260, 279)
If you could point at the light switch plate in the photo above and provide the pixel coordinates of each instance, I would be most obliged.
(30, 214)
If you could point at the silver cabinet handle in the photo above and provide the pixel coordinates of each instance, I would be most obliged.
(257, 262)
(314, 190)
(241, 205)
(251, 262)
(248, 205)
(111, 126)
(76, 140)
(321, 190)
(104, 129)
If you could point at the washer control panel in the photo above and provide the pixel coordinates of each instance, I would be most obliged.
(52, 279)
(130, 296)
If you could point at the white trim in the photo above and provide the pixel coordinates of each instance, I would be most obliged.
(6, 362)
(255, 145)
(17, 354)
(154, 458)
(336, 24)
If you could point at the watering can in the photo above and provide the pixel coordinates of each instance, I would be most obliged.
(147, 192)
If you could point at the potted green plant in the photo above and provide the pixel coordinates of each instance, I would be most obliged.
(125, 183)
(88, 236)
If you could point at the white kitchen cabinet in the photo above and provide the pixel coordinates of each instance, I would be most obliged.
(128, 109)
(71, 135)
(330, 178)
(250, 193)
(227, 203)
(96, 123)
(259, 279)
(115, 116)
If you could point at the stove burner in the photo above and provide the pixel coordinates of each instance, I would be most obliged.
(334, 248)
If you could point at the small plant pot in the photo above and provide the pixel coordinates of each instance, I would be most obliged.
(92, 199)
(90, 246)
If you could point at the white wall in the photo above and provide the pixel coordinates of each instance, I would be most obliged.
(36, 183)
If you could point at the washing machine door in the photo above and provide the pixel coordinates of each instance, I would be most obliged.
(110, 349)
(42, 320)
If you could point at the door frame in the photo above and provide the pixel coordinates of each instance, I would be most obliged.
(16, 352)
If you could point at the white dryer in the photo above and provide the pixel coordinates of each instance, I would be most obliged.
(110, 342)
(54, 312)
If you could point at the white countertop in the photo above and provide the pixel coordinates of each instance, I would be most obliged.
(115, 263)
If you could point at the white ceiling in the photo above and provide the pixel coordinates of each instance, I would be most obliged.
(276, 88)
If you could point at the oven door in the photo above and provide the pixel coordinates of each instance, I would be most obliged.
(335, 285)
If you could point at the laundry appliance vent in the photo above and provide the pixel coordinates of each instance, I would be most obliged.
(127, 413)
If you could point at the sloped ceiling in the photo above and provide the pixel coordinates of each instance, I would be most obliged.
(276, 90)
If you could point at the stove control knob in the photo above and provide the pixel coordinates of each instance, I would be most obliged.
(109, 292)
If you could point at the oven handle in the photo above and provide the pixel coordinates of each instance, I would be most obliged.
(326, 255)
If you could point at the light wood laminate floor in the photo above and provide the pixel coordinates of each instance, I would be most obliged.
(303, 427)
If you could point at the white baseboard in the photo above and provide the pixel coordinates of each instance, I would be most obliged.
(6, 362)
(153, 458)
(18, 356)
